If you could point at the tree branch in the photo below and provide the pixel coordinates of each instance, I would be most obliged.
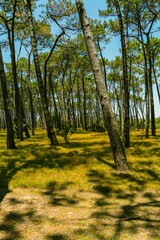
(47, 59)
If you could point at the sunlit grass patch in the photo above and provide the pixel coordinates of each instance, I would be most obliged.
(73, 191)
(85, 163)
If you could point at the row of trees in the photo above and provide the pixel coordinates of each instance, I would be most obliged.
(67, 85)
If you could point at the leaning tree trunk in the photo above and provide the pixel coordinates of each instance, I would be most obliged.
(155, 78)
(10, 133)
(49, 125)
(110, 123)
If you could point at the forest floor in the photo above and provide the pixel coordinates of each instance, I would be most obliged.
(73, 192)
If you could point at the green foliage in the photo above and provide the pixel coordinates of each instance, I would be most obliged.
(67, 132)
(157, 123)
(63, 13)
(95, 127)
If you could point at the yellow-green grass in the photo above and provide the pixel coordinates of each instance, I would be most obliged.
(74, 192)
(85, 163)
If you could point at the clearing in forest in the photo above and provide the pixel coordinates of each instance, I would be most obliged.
(74, 192)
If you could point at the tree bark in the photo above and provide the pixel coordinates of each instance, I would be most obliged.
(49, 125)
(10, 133)
(84, 103)
(155, 78)
(58, 122)
(103, 63)
(18, 101)
(153, 127)
(145, 74)
(110, 123)
(79, 105)
(125, 76)
(30, 97)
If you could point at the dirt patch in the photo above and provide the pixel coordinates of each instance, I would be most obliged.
(70, 214)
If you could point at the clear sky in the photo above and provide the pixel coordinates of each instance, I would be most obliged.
(92, 6)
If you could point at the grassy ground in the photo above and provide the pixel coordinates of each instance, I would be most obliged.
(73, 191)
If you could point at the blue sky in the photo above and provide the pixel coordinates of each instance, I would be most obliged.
(92, 6)
(111, 50)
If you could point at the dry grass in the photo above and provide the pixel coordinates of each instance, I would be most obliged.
(73, 191)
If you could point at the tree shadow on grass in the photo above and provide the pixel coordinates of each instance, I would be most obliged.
(45, 158)
(145, 148)
(6, 175)
(11, 220)
(82, 145)
(57, 237)
(57, 198)
(127, 212)
(11, 226)
(130, 211)
(131, 219)
(100, 159)
(40, 159)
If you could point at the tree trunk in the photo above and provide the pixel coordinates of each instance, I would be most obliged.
(20, 116)
(73, 112)
(146, 92)
(110, 123)
(155, 78)
(98, 119)
(122, 109)
(153, 127)
(146, 76)
(84, 103)
(90, 108)
(49, 125)
(58, 122)
(103, 63)
(135, 105)
(10, 133)
(125, 76)
(30, 98)
(79, 105)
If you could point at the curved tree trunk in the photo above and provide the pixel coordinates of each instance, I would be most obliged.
(110, 123)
